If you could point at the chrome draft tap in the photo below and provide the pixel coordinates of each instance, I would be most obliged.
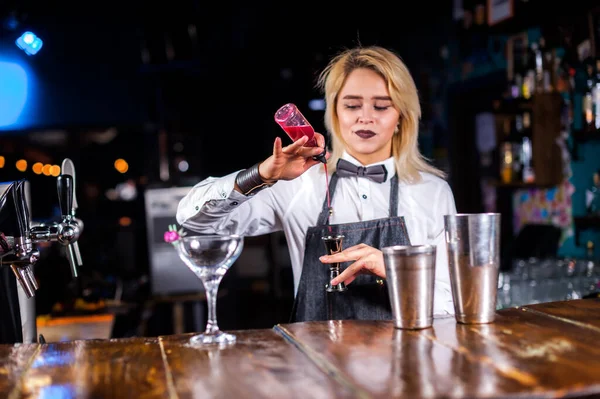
(17, 251)
(69, 228)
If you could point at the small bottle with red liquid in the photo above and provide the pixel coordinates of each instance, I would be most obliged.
(295, 125)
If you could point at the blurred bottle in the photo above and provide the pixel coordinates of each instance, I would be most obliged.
(592, 196)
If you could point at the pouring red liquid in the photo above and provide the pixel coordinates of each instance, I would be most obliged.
(296, 126)
(329, 208)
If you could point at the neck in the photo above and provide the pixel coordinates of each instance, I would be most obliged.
(368, 159)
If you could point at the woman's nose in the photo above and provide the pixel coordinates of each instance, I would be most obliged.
(365, 116)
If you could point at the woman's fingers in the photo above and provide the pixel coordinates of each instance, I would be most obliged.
(295, 146)
(349, 280)
(352, 253)
(357, 247)
(316, 151)
(277, 148)
(367, 260)
(320, 140)
(348, 275)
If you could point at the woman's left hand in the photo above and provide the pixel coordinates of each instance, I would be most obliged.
(369, 260)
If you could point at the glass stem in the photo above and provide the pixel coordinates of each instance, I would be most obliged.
(211, 285)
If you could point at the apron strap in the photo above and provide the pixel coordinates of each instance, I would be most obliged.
(323, 216)
(394, 196)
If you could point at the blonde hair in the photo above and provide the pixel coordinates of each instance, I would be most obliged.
(403, 91)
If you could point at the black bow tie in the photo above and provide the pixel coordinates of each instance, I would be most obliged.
(376, 173)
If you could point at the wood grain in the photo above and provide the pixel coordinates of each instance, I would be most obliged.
(550, 358)
(522, 353)
(387, 362)
(581, 312)
(536, 351)
(14, 362)
(261, 364)
(124, 368)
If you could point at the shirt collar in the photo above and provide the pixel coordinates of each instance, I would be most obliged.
(389, 164)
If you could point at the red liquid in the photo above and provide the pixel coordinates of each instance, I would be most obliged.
(328, 197)
(296, 132)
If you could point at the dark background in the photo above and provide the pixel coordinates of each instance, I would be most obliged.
(128, 80)
(113, 79)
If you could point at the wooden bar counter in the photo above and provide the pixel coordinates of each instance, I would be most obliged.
(536, 351)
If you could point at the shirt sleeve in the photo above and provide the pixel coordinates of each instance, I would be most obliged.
(443, 205)
(214, 207)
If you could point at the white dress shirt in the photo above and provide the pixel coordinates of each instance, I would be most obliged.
(213, 206)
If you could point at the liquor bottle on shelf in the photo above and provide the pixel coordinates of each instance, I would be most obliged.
(512, 151)
(506, 155)
(565, 85)
(588, 98)
(548, 78)
(592, 196)
(529, 79)
(537, 52)
(528, 173)
(519, 57)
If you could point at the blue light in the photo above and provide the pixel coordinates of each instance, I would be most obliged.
(64, 391)
(318, 104)
(29, 43)
(28, 37)
(13, 92)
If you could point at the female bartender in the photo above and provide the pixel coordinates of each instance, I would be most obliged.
(382, 191)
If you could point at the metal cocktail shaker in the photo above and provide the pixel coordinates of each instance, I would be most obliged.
(473, 244)
(410, 273)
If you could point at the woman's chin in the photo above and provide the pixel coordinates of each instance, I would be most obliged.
(364, 150)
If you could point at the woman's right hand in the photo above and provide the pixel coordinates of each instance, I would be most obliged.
(291, 161)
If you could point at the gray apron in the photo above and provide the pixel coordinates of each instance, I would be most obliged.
(366, 297)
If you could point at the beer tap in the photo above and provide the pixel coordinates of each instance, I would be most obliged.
(17, 247)
(73, 253)
(18, 236)
(68, 230)
(18, 253)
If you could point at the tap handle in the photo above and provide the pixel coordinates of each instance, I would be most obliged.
(68, 168)
(9, 222)
(21, 208)
(64, 183)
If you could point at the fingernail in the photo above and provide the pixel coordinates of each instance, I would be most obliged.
(334, 281)
(324, 257)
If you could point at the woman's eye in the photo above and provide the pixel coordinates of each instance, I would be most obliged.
(349, 106)
(381, 108)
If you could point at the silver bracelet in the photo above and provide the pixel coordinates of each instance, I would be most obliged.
(250, 182)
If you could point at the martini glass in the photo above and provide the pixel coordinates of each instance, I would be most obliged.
(209, 257)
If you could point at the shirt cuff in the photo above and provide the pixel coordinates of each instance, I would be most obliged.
(226, 192)
(228, 197)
